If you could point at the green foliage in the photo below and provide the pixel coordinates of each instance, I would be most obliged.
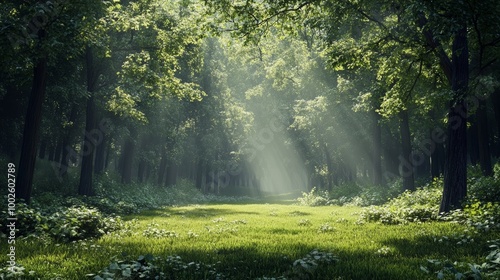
(314, 198)
(79, 222)
(62, 223)
(490, 269)
(483, 188)
(142, 268)
(418, 206)
(28, 219)
(154, 232)
(14, 272)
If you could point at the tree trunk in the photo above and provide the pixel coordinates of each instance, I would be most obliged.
(127, 160)
(377, 151)
(199, 174)
(59, 150)
(455, 175)
(27, 160)
(436, 159)
(472, 141)
(161, 169)
(63, 169)
(483, 138)
(85, 186)
(43, 147)
(141, 169)
(100, 155)
(52, 150)
(495, 98)
(329, 166)
(406, 163)
(171, 174)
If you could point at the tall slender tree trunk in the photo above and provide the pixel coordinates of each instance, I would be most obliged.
(436, 159)
(329, 166)
(495, 98)
(85, 186)
(199, 174)
(100, 155)
(483, 137)
(171, 174)
(406, 163)
(32, 122)
(455, 175)
(162, 167)
(377, 150)
(52, 152)
(63, 168)
(43, 147)
(473, 141)
(59, 150)
(141, 170)
(127, 160)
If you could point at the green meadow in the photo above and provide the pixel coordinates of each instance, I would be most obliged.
(257, 241)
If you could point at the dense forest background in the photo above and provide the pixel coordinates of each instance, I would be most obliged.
(250, 97)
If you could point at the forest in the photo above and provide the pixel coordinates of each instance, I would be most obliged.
(250, 139)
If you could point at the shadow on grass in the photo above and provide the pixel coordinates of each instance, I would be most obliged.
(246, 262)
(426, 247)
(195, 213)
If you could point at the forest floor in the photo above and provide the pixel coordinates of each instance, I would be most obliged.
(254, 241)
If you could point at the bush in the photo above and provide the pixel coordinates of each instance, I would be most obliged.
(418, 206)
(79, 222)
(314, 198)
(28, 220)
(486, 189)
(490, 269)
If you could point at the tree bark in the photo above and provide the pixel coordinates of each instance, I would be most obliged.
(162, 167)
(329, 166)
(127, 160)
(63, 168)
(199, 174)
(141, 169)
(32, 122)
(436, 159)
(455, 175)
(85, 186)
(472, 141)
(43, 147)
(495, 97)
(406, 163)
(483, 138)
(377, 150)
(59, 150)
(171, 174)
(100, 155)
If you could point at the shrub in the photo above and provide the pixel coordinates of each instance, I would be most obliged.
(486, 189)
(314, 198)
(28, 220)
(142, 268)
(79, 222)
(418, 206)
(490, 269)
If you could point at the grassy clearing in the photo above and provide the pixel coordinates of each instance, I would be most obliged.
(246, 241)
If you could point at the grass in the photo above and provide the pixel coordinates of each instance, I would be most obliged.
(246, 241)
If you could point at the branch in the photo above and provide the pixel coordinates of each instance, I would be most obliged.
(415, 81)
(372, 19)
(271, 17)
(434, 44)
